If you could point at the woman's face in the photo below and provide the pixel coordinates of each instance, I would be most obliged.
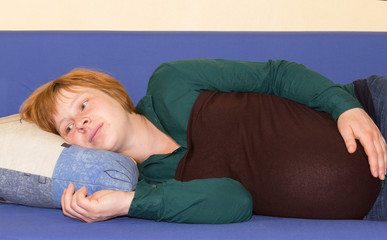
(90, 118)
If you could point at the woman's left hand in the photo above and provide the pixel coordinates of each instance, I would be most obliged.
(356, 124)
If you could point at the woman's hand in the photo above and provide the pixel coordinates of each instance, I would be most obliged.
(100, 206)
(356, 124)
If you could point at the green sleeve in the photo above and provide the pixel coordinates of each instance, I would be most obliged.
(217, 200)
(181, 82)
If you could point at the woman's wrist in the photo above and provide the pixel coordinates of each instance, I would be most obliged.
(126, 202)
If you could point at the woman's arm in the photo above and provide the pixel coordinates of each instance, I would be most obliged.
(281, 78)
(218, 200)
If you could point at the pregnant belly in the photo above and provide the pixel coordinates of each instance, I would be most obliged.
(291, 158)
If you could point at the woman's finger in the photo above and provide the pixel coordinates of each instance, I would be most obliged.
(79, 200)
(381, 161)
(383, 151)
(67, 202)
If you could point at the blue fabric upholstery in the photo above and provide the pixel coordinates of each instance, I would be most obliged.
(29, 59)
(20, 222)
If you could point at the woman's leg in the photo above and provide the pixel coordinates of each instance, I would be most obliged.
(378, 89)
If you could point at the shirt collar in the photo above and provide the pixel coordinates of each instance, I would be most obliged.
(145, 107)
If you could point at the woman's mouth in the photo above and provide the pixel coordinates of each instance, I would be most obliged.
(95, 133)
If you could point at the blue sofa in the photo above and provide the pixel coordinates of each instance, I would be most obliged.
(29, 59)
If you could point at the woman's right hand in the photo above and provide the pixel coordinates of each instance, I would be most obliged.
(356, 124)
(100, 206)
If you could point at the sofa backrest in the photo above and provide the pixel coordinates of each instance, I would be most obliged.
(29, 59)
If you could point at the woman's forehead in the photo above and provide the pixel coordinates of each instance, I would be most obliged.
(72, 92)
(64, 95)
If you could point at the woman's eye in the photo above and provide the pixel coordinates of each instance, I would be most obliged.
(84, 105)
(69, 128)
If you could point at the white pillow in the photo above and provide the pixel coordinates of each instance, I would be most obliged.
(36, 166)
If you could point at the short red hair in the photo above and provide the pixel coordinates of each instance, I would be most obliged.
(40, 108)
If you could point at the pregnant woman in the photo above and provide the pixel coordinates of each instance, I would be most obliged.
(218, 140)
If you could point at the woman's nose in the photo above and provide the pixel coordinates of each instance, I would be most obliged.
(82, 123)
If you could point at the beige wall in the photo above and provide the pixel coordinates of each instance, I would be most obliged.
(194, 15)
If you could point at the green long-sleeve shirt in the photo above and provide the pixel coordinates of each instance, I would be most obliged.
(172, 90)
